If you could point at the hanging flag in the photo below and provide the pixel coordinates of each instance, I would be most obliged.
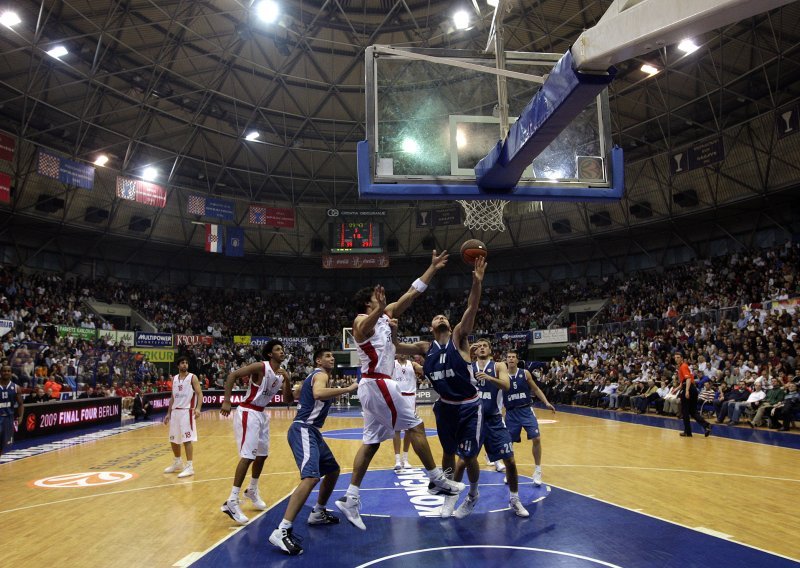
(7, 144)
(234, 241)
(213, 238)
(272, 216)
(141, 191)
(210, 207)
(5, 188)
(64, 170)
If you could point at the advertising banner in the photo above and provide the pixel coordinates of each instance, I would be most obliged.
(153, 339)
(194, 340)
(330, 261)
(78, 332)
(50, 417)
(124, 337)
(241, 340)
(215, 398)
(427, 396)
(560, 335)
(6, 326)
(157, 355)
(158, 400)
(514, 336)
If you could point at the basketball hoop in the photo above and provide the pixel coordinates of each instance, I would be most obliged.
(484, 215)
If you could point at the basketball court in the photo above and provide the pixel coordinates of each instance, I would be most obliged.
(615, 493)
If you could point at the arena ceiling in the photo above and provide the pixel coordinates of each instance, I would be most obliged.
(178, 84)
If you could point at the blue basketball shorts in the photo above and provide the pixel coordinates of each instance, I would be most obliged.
(518, 419)
(6, 431)
(496, 438)
(313, 456)
(459, 427)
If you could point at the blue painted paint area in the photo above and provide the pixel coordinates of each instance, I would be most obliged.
(746, 434)
(566, 529)
(356, 433)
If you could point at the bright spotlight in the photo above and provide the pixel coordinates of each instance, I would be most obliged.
(150, 173)
(58, 52)
(649, 69)
(101, 160)
(268, 11)
(252, 136)
(688, 46)
(461, 139)
(461, 19)
(9, 19)
(492, 3)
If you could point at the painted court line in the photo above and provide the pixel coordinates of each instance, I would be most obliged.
(188, 559)
(712, 532)
(676, 523)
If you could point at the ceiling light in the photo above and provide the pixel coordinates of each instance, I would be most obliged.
(461, 19)
(492, 3)
(150, 173)
(101, 160)
(649, 69)
(688, 46)
(268, 11)
(252, 136)
(58, 52)
(461, 139)
(9, 19)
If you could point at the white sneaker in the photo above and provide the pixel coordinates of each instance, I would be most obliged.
(442, 485)
(407, 465)
(398, 467)
(517, 507)
(174, 468)
(286, 541)
(258, 503)
(466, 507)
(537, 477)
(234, 511)
(449, 504)
(488, 461)
(349, 505)
(323, 517)
(499, 466)
(187, 472)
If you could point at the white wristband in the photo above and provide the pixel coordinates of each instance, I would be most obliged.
(419, 285)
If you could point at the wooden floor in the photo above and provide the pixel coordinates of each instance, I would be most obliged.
(746, 490)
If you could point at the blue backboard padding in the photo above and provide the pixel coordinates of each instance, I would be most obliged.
(564, 94)
(448, 191)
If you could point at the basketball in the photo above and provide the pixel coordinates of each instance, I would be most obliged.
(472, 249)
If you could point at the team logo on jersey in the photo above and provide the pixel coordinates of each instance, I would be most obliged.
(85, 479)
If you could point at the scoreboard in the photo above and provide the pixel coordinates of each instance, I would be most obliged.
(356, 237)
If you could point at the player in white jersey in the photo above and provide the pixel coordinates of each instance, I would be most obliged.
(251, 422)
(381, 400)
(184, 409)
(405, 373)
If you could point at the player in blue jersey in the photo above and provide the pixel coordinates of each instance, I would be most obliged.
(458, 411)
(492, 381)
(312, 454)
(11, 407)
(519, 410)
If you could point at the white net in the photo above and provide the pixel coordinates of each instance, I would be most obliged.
(484, 215)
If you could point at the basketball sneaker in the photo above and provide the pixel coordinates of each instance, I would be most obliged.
(517, 507)
(499, 466)
(449, 504)
(187, 472)
(466, 507)
(176, 466)
(407, 465)
(398, 467)
(323, 517)
(234, 511)
(442, 485)
(349, 505)
(537, 476)
(286, 541)
(255, 498)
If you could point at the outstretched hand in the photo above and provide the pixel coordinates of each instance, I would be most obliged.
(480, 268)
(380, 297)
(439, 261)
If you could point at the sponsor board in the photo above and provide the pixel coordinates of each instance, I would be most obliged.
(514, 336)
(6, 326)
(153, 339)
(49, 417)
(159, 401)
(194, 340)
(560, 335)
(78, 332)
(427, 396)
(157, 355)
(125, 337)
(241, 339)
(215, 398)
(330, 261)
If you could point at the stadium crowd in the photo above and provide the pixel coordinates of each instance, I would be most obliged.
(615, 366)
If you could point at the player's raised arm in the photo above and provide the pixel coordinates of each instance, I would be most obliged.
(323, 392)
(467, 323)
(364, 325)
(418, 286)
(411, 349)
